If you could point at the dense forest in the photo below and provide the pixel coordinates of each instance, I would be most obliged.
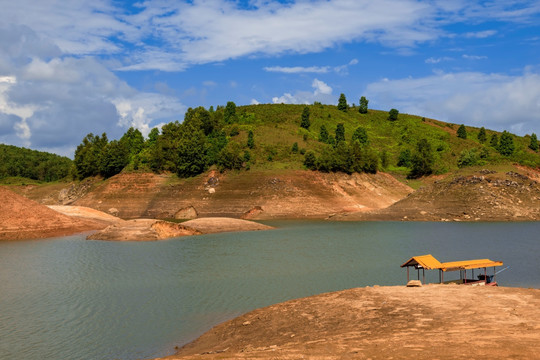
(32, 164)
(345, 138)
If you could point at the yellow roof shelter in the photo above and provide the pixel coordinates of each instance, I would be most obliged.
(469, 264)
(427, 262)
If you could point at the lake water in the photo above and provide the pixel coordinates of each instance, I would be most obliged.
(69, 298)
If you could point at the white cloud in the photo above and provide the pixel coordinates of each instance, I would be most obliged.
(480, 34)
(298, 69)
(322, 93)
(433, 60)
(254, 102)
(473, 57)
(311, 69)
(495, 101)
(49, 102)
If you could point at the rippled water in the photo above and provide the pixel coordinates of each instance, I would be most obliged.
(69, 298)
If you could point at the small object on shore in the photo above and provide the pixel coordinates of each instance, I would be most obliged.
(414, 283)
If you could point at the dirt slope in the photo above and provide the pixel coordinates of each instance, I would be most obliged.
(482, 195)
(431, 322)
(249, 195)
(22, 218)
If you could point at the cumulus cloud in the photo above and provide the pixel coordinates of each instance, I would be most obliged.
(321, 92)
(496, 101)
(51, 102)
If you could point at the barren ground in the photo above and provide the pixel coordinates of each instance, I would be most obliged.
(22, 218)
(430, 322)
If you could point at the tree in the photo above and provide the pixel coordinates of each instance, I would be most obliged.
(115, 158)
(230, 112)
(506, 144)
(533, 145)
(340, 133)
(133, 141)
(482, 137)
(250, 140)
(404, 158)
(323, 134)
(462, 132)
(294, 148)
(230, 157)
(494, 141)
(384, 159)
(362, 109)
(342, 103)
(305, 119)
(310, 161)
(89, 155)
(360, 135)
(422, 160)
(393, 114)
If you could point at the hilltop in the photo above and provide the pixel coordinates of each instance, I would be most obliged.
(274, 161)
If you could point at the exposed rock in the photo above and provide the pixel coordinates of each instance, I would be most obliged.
(186, 213)
(211, 225)
(414, 283)
(252, 213)
(143, 230)
(22, 218)
(113, 211)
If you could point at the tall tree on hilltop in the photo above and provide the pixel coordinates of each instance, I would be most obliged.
(323, 134)
(482, 137)
(462, 132)
(305, 118)
(494, 141)
(393, 114)
(250, 140)
(363, 108)
(342, 103)
(340, 133)
(230, 112)
(506, 144)
(533, 145)
(360, 135)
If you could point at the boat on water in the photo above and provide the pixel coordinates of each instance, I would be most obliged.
(429, 262)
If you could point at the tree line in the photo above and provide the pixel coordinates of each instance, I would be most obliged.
(32, 164)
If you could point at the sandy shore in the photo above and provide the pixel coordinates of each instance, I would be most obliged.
(431, 322)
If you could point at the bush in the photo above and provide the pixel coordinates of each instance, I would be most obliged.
(422, 160)
(393, 114)
(462, 132)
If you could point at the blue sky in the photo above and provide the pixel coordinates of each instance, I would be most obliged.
(68, 68)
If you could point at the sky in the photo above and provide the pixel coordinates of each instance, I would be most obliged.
(69, 68)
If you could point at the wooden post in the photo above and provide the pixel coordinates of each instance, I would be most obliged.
(424, 275)
(407, 274)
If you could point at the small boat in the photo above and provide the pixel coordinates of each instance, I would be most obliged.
(428, 262)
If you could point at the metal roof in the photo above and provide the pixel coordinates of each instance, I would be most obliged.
(469, 264)
(428, 262)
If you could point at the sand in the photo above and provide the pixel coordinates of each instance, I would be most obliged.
(429, 322)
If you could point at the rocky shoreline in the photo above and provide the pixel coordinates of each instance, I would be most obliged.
(391, 322)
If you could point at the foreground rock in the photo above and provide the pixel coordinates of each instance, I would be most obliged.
(430, 322)
(151, 230)
(22, 218)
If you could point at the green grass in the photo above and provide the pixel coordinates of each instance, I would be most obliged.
(277, 126)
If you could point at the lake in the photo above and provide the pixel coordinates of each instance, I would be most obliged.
(70, 298)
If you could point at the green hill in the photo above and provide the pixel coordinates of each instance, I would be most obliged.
(17, 162)
(279, 136)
